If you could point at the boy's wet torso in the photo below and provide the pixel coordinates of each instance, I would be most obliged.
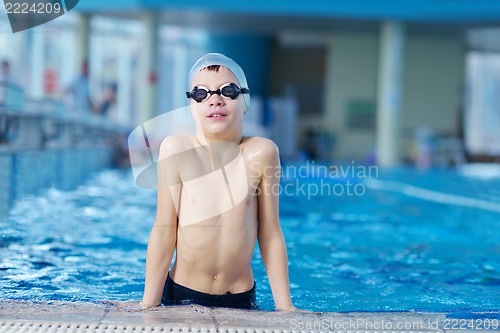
(214, 188)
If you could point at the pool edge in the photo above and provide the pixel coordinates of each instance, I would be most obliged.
(106, 316)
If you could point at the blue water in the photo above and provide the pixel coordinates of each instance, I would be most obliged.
(408, 240)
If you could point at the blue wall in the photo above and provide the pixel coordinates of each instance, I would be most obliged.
(251, 52)
(407, 10)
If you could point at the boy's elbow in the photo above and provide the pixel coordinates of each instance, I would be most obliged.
(164, 232)
(270, 237)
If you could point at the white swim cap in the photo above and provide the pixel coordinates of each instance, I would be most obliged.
(211, 59)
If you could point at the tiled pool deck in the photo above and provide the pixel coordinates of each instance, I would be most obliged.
(17, 317)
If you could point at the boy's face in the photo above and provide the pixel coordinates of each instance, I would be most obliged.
(218, 118)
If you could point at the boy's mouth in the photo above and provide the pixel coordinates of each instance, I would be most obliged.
(217, 115)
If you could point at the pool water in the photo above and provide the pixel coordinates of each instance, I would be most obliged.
(407, 240)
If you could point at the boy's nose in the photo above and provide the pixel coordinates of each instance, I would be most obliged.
(216, 100)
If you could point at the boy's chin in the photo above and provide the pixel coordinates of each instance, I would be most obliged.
(220, 126)
(218, 132)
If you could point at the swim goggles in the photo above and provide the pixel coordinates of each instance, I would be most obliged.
(227, 90)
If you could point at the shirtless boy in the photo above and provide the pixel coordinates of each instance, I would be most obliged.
(216, 197)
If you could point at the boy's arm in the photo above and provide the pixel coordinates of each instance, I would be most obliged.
(271, 242)
(163, 235)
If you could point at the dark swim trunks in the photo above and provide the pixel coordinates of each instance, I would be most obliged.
(174, 293)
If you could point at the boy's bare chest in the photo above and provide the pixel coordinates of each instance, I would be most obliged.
(209, 189)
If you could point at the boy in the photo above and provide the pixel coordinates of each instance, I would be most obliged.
(216, 196)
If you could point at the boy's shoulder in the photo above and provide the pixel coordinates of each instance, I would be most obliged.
(260, 146)
(258, 141)
(174, 144)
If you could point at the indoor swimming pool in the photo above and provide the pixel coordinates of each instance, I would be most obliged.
(401, 240)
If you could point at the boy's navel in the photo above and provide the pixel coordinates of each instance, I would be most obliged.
(215, 277)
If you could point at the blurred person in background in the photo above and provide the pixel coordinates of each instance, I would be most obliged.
(107, 108)
(6, 78)
(6, 73)
(79, 91)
